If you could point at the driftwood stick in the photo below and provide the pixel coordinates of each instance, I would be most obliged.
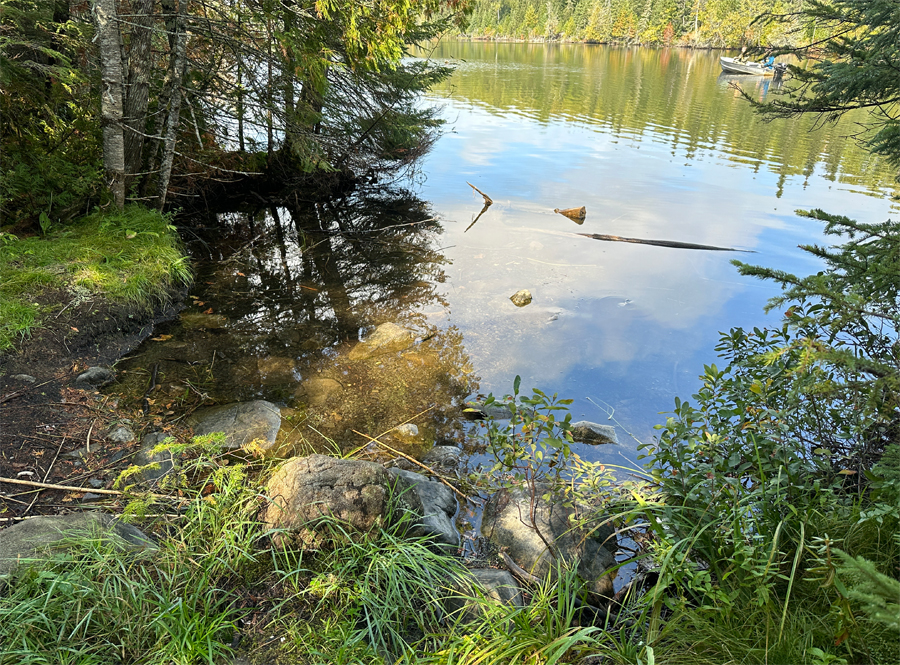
(664, 243)
(518, 571)
(487, 199)
(22, 391)
(70, 488)
(414, 461)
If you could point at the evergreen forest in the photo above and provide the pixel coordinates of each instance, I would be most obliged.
(698, 23)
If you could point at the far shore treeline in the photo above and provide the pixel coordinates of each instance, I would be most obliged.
(698, 23)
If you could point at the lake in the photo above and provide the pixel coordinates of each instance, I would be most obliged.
(655, 143)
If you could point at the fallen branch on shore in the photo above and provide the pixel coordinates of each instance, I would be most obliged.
(664, 243)
(414, 461)
(71, 488)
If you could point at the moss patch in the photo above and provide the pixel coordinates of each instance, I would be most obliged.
(133, 257)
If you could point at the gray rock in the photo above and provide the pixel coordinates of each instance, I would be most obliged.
(361, 495)
(490, 584)
(27, 378)
(506, 523)
(446, 456)
(90, 496)
(96, 483)
(587, 432)
(242, 423)
(521, 298)
(386, 338)
(121, 434)
(157, 465)
(95, 377)
(438, 508)
(406, 433)
(26, 541)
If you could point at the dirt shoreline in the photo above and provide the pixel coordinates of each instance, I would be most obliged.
(44, 422)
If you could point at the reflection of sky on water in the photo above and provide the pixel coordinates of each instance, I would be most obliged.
(625, 325)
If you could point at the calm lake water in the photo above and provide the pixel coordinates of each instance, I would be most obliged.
(656, 144)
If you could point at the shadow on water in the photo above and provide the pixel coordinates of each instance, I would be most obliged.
(282, 301)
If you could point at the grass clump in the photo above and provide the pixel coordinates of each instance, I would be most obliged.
(131, 257)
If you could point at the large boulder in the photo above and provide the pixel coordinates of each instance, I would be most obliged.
(386, 338)
(243, 423)
(507, 524)
(438, 508)
(361, 496)
(26, 541)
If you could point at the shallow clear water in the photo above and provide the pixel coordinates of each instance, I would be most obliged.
(654, 143)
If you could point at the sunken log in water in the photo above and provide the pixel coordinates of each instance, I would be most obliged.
(664, 243)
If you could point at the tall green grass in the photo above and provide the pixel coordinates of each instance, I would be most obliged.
(131, 257)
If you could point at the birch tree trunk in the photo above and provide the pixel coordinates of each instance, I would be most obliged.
(173, 85)
(137, 95)
(112, 76)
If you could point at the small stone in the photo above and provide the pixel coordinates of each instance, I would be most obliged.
(593, 433)
(95, 377)
(96, 483)
(27, 378)
(442, 456)
(521, 298)
(406, 432)
(386, 338)
(90, 496)
(121, 434)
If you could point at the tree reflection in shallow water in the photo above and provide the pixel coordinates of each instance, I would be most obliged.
(283, 295)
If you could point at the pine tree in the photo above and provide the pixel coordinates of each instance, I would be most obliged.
(856, 48)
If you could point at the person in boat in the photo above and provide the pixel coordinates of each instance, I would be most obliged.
(743, 54)
(770, 61)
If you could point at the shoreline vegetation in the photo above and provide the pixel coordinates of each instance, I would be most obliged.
(704, 24)
(765, 524)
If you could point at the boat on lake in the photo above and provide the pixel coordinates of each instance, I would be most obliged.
(736, 66)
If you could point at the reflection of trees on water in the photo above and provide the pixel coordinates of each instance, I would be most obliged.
(290, 291)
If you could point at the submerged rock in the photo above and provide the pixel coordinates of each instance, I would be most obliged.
(521, 298)
(361, 496)
(592, 433)
(198, 321)
(23, 543)
(507, 525)
(318, 390)
(386, 338)
(242, 423)
(438, 508)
